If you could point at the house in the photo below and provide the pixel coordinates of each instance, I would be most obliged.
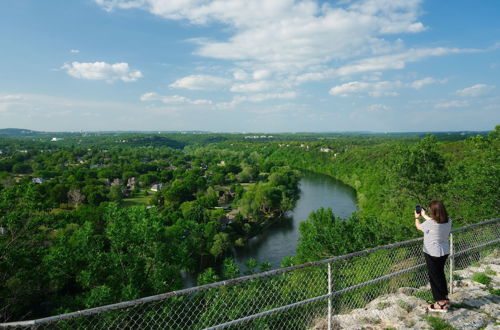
(226, 196)
(131, 182)
(116, 182)
(325, 150)
(231, 215)
(38, 180)
(157, 186)
(228, 218)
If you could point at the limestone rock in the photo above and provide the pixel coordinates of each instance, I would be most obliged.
(473, 306)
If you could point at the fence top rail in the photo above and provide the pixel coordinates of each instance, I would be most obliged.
(195, 289)
(486, 222)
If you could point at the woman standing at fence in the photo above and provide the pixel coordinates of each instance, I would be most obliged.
(436, 228)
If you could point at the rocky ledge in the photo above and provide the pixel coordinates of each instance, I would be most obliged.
(475, 304)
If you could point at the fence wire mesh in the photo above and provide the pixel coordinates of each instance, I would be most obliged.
(290, 298)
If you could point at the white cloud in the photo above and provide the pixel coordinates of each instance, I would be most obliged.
(261, 74)
(240, 75)
(266, 96)
(74, 51)
(278, 44)
(173, 99)
(360, 88)
(397, 61)
(256, 98)
(304, 32)
(8, 101)
(378, 107)
(474, 91)
(102, 71)
(252, 87)
(10, 97)
(200, 82)
(30, 107)
(451, 104)
(417, 84)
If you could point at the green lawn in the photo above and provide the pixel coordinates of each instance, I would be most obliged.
(137, 200)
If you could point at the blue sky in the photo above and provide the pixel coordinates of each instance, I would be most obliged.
(250, 66)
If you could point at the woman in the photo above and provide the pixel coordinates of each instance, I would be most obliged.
(436, 230)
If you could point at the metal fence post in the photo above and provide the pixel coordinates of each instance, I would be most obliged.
(452, 256)
(329, 296)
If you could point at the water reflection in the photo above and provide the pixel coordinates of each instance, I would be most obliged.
(280, 240)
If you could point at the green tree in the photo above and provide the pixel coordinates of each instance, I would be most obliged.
(420, 169)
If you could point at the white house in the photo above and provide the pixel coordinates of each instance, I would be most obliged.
(157, 187)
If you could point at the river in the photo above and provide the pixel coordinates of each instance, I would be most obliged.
(281, 239)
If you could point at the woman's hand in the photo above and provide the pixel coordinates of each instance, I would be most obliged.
(417, 221)
(423, 212)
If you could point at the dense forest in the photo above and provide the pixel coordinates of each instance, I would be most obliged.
(92, 219)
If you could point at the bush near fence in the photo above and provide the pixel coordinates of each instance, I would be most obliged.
(293, 297)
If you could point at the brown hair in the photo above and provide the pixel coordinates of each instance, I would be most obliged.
(438, 212)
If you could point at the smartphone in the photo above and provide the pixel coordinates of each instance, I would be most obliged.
(418, 209)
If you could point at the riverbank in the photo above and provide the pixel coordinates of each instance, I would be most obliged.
(281, 238)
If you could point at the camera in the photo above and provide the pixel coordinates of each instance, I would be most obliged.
(418, 209)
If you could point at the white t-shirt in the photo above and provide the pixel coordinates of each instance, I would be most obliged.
(436, 235)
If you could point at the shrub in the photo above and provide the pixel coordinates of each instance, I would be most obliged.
(404, 305)
(437, 323)
(489, 271)
(495, 291)
(481, 278)
(383, 305)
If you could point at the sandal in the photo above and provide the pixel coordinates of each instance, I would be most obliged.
(437, 307)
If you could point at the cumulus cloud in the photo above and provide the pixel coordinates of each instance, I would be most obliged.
(102, 71)
(256, 98)
(240, 75)
(304, 32)
(397, 61)
(378, 107)
(200, 82)
(74, 51)
(256, 86)
(280, 44)
(173, 99)
(260, 97)
(475, 91)
(417, 84)
(360, 88)
(451, 104)
(261, 74)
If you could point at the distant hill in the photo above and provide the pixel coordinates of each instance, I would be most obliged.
(155, 141)
(18, 131)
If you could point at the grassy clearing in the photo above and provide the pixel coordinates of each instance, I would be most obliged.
(137, 200)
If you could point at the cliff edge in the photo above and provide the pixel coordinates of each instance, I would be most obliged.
(475, 304)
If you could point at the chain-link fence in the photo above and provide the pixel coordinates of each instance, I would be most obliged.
(297, 297)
